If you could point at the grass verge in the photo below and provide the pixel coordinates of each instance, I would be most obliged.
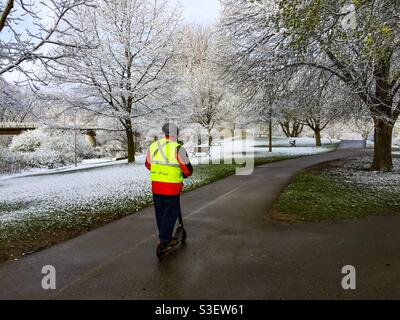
(315, 196)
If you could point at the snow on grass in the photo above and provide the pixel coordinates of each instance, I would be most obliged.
(85, 164)
(285, 142)
(227, 152)
(110, 185)
(356, 171)
(37, 210)
(81, 190)
(119, 188)
(343, 189)
(257, 148)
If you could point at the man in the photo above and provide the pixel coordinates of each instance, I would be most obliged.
(169, 165)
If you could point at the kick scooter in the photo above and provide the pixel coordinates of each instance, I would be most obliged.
(179, 236)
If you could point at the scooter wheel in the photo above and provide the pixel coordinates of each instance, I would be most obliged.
(160, 252)
(184, 235)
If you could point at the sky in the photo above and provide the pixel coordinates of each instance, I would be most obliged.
(201, 11)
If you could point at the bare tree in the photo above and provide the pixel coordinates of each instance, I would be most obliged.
(290, 125)
(261, 87)
(335, 129)
(198, 45)
(16, 104)
(206, 99)
(320, 107)
(320, 100)
(363, 124)
(32, 32)
(205, 91)
(131, 74)
(364, 54)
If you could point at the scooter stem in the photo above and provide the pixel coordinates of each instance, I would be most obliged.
(180, 218)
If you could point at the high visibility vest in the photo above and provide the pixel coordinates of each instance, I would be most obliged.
(165, 166)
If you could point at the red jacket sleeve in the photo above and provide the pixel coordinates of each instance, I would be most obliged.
(148, 164)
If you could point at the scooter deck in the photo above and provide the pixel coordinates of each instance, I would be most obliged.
(180, 234)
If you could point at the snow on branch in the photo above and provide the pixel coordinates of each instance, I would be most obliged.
(32, 33)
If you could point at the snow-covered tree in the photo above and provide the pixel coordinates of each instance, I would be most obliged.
(198, 43)
(259, 86)
(32, 32)
(356, 43)
(319, 101)
(16, 104)
(335, 129)
(131, 74)
(205, 94)
(206, 99)
(28, 141)
(290, 124)
(363, 124)
(49, 148)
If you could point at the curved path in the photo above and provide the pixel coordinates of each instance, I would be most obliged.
(234, 251)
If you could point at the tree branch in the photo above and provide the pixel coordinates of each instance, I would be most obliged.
(3, 18)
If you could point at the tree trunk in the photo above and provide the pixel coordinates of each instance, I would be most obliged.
(131, 141)
(297, 129)
(285, 128)
(382, 146)
(318, 141)
(270, 135)
(210, 139)
(291, 128)
(292, 131)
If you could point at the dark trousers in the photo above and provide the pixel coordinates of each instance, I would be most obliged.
(167, 212)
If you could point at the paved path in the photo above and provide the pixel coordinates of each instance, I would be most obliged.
(234, 251)
(346, 144)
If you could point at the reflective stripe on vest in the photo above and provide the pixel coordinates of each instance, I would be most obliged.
(165, 166)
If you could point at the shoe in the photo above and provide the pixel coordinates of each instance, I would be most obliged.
(163, 248)
(172, 243)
